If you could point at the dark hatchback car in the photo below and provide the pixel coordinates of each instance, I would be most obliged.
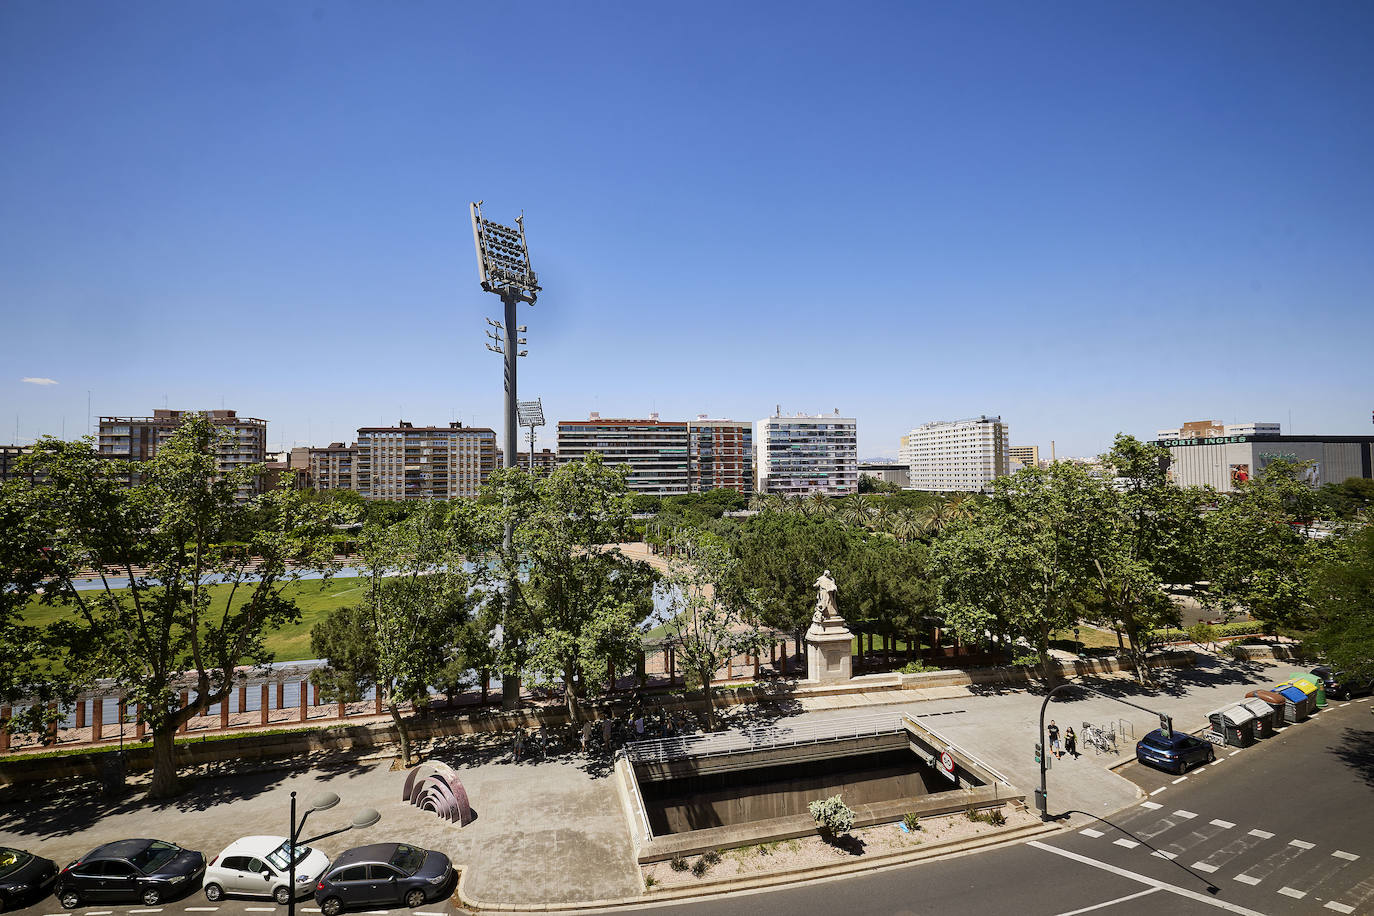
(144, 871)
(24, 876)
(1176, 753)
(383, 874)
(1342, 686)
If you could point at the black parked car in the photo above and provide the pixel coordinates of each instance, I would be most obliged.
(23, 876)
(1175, 753)
(383, 874)
(1342, 686)
(146, 871)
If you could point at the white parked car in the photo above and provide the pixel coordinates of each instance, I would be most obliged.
(258, 866)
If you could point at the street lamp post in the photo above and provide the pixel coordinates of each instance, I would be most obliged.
(503, 265)
(365, 817)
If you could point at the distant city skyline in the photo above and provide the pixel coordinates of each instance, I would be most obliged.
(1083, 218)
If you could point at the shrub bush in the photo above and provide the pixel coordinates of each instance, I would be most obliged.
(711, 856)
(699, 868)
(678, 863)
(832, 815)
(917, 667)
(911, 822)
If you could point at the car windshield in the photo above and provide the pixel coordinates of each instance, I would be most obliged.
(156, 855)
(1158, 742)
(11, 859)
(408, 859)
(278, 859)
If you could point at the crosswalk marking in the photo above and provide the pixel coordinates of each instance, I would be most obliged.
(158, 910)
(1339, 907)
(1129, 844)
(1203, 866)
(1088, 831)
(1151, 805)
(1157, 791)
(1301, 844)
(1262, 834)
(1233, 753)
(1292, 892)
(1162, 854)
(1184, 814)
(1342, 854)
(1246, 879)
(1179, 780)
(201, 909)
(1218, 822)
(259, 909)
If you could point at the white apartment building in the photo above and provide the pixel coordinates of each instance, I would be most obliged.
(957, 455)
(803, 454)
(427, 462)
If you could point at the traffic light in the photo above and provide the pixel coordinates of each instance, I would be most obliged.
(1166, 725)
(1039, 751)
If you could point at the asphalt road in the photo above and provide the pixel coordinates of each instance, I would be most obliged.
(1280, 828)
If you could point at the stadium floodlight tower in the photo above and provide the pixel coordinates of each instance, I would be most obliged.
(531, 415)
(503, 264)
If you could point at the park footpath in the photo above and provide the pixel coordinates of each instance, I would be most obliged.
(552, 833)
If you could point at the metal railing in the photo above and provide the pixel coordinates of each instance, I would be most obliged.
(743, 740)
(997, 774)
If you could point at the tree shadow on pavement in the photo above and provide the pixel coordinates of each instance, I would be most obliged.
(1357, 752)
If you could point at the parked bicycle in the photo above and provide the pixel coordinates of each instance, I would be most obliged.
(1103, 741)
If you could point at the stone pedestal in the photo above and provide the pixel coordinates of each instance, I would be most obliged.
(829, 655)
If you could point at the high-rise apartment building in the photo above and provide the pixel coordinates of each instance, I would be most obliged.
(722, 455)
(328, 468)
(655, 450)
(1028, 456)
(802, 454)
(957, 456)
(545, 460)
(138, 439)
(426, 462)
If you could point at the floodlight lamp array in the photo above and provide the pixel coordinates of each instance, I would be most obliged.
(531, 413)
(503, 257)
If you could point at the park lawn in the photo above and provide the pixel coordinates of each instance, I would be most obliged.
(1090, 637)
(315, 598)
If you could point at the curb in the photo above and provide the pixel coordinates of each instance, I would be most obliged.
(730, 885)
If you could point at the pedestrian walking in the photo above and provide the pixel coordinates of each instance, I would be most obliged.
(606, 734)
(1071, 742)
(518, 751)
(586, 735)
(639, 727)
(1055, 748)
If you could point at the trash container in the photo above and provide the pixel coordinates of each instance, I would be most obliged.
(1276, 703)
(1307, 688)
(1316, 683)
(1234, 724)
(1264, 716)
(1297, 704)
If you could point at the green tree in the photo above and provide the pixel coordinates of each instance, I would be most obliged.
(1258, 554)
(1342, 595)
(780, 555)
(1021, 564)
(710, 618)
(405, 635)
(176, 530)
(579, 610)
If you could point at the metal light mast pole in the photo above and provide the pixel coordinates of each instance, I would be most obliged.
(531, 415)
(503, 264)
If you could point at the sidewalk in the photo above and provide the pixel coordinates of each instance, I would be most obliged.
(553, 831)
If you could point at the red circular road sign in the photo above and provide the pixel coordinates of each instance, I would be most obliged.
(946, 762)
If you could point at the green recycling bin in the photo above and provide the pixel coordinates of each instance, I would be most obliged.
(1315, 682)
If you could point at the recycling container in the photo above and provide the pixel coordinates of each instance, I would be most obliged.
(1297, 705)
(1316, 683)
(1234, 724)
(1276, 703)
(1264, 716)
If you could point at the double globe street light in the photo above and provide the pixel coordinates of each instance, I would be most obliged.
(322, 801)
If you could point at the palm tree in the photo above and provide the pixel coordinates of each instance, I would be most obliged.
(819, 504)
(857, 510)
(906, 526)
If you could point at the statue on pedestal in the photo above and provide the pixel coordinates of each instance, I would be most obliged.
(828, 641)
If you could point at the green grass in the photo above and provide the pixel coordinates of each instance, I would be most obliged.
(290, 643)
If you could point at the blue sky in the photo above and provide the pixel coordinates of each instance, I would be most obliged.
(1086, 217)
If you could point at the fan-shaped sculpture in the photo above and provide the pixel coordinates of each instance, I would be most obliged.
(435, 787)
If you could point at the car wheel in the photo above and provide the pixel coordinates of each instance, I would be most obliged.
(282, 895)
(332, 906)
(152, 897)
(214, 893)
(415, 898)
(69, 899)
(1211, 756)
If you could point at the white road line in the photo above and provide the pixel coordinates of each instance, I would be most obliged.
(1088, 831)
(1203, 866)
(1086, 909)
(1342, 854)
(308, 909)
(1233, 753)
(1128, 844)
(1177, 781)
(1164, 854)
(1151, 805)
(97, 913)
(1292, 892)
(158, 910)
(1218, 822)
(201, 909)
(1184, 814)
(1301, 844)
(1157, 791)
(1262, 834)
(1246, 879)
(260, 909)
(1339, 907)
(1344, 705)
(1146, 880)
(427, 913)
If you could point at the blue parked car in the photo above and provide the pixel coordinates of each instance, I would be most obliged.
(1176, 753)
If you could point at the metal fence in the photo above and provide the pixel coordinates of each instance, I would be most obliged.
(757, 739)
